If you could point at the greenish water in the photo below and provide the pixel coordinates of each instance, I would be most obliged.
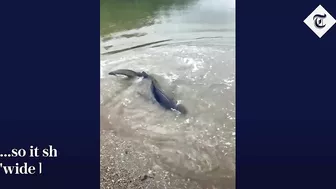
(120, 15)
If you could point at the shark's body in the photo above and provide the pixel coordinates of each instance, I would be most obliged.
(159, 95)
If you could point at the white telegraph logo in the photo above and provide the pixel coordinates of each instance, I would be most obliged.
(320, 21)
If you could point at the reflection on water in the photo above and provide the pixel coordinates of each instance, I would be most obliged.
(118, 15)
(189, 46)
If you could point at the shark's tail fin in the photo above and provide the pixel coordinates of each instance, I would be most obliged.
(181, 108)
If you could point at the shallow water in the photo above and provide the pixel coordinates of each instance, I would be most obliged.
(191, 51)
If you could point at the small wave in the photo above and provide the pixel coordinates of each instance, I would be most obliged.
(134, 47)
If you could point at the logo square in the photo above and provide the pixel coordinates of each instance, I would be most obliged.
(320, 21)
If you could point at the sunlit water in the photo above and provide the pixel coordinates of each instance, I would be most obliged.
(196, 62)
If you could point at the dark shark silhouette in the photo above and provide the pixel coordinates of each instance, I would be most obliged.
(159, 95)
